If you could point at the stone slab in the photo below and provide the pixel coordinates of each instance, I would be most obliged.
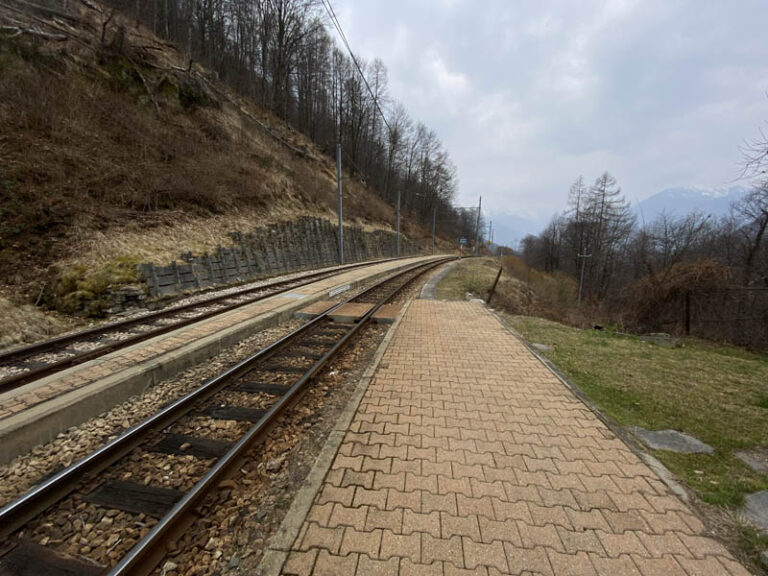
(755, 459)
(387, 313)
(350, 313)
(672, 441)
(756, 508)
(315, 309)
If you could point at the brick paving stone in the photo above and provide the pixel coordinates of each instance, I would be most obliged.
(328, 564)
(410, 500)
(385, 519)
(460, 525)
(527, 561)
(440, 502)
(365, 497)
(371, 567)
(319, 537)
(666, 566)
(444, 549)
(417, 522)
(300, 563)
(404, 546)
(621, 566)
(451, 570)
(571, 564)
(345, 516)
(700, 567)
(467, 456)
(411, 568)
(363, 542)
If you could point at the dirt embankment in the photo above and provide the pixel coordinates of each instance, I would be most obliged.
(114, 150)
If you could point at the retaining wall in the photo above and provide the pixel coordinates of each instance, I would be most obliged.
(275, 249)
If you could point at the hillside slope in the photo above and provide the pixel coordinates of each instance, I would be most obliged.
(114, 150)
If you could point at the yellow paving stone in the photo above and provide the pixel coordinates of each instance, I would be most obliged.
(367, 543)
(371, 567)
(418, 522)
(300, 563)
(328, 564)
(346, 516)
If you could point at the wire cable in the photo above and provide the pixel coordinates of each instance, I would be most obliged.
(336, 24)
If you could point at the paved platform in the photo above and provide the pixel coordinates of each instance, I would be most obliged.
(468, 456)
(36, 412)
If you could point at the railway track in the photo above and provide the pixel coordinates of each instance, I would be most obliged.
(22, 365)
(245, 400)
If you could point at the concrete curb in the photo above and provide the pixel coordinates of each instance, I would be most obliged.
(281, 543)
(41, 423)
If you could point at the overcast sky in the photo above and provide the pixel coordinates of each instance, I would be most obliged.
(527, 95)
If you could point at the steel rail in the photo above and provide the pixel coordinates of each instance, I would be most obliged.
(147, 553)
(16, 513)
(22, 378)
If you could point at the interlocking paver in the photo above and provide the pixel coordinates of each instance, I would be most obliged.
(621, 566)
(418, 522)
(363, 542)
(328, 564)
(346, 516)
(402, 545)
(300, 563)
(467, 456)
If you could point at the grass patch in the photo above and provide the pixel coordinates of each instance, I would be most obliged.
(521, 289)
(473, 275)
(712, 392)
(753, 542)
(85, 289)
(476, 276)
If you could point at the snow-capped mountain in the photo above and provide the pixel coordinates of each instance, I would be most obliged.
(684, 200)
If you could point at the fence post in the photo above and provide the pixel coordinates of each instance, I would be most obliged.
(493, 288)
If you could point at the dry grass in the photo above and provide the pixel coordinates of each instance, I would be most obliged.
(521, 289)
(27, 323)
(93, 174)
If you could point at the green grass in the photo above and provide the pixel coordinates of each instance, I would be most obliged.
(715, 393)
(753, 542)
(84, 288)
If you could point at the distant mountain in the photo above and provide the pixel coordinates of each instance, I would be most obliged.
(509, 229)
(684, 200)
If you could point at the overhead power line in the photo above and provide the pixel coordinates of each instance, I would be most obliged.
(336, 24)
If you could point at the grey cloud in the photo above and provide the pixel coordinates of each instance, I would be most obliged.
(527, 95)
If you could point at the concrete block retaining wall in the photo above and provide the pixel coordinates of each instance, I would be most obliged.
(275, 249)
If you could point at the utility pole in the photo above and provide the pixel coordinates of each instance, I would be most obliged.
(490, 231)
(477, 225)
(434, 223)
(397, 248)
(581, 278)
(341, 225)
